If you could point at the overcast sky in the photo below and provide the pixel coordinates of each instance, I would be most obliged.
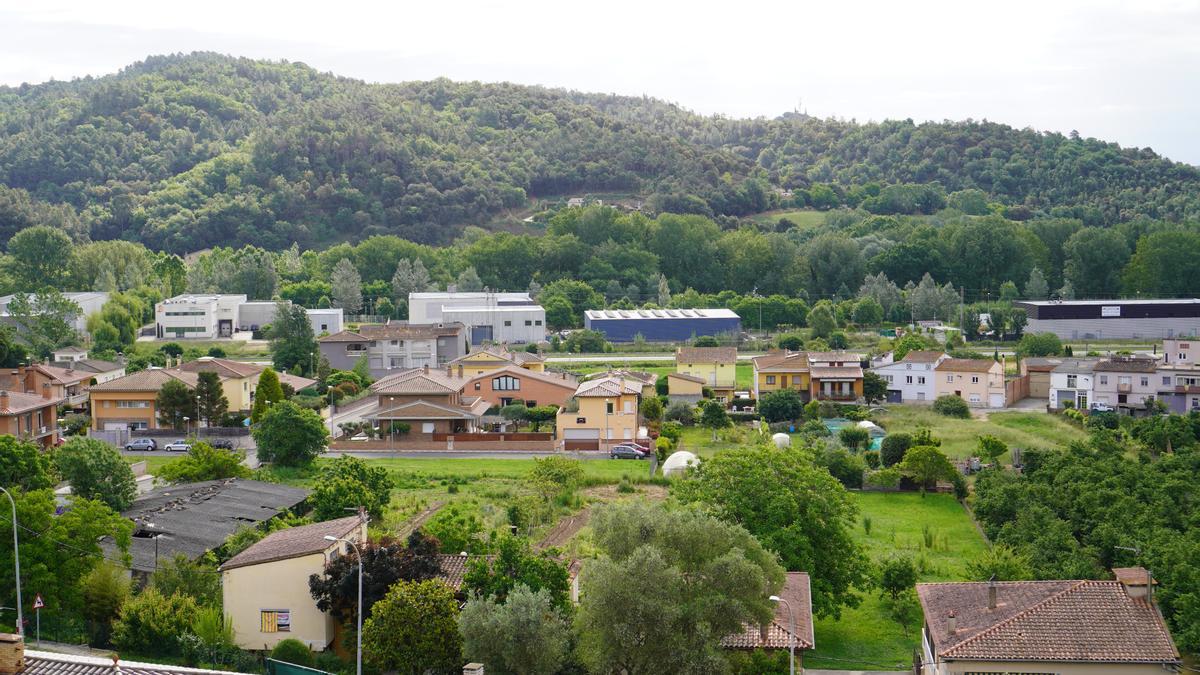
(1125, 72)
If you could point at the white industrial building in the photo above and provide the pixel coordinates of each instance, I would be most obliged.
(218, 316)
(89, 302)
(512, 318)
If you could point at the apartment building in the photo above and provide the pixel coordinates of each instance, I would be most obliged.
(395, 346)
(30, 416)
(217, 316)
(1125, 383)
(911, 379)
(498, 318)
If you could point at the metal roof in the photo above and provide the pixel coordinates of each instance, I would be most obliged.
(602, 314)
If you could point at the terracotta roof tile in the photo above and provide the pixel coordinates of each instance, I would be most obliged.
(922, 357)
(1071, 621)
(612, 385)
(293, 542)
(19, 402)
(966, 365)
(555, 379)
(723, 355)
(797, 593)
(1127, 365)
(419, 381)
(782, 359)
(687, 378)
(151, 379)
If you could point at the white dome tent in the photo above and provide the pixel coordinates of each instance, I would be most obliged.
(678, 463)
(782, 440)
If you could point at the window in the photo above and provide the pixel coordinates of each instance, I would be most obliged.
(506, 383)
(1103, 379)
(770, 379)
(908, 366)
(974, 398)
(133, 404)
(528, 322)
(508, 323)
(1071, 381)
(887, 378)
(921, 380)
(186, 313)
(427, 427)
(355, 349)
(477, 387)
(538, 322)
(1145, 381)
(276, 621)
(608, 407)
(1182, 356)
(395, 343)
(908, 379)
(950, 378)
(974, 379)
(1167, 380)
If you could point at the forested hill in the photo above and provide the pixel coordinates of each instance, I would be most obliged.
(186, 151)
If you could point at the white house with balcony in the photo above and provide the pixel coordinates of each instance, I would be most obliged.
(911, 379)
(1072, 384)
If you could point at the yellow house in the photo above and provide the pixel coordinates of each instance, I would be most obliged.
(265, 587)
(979, 382)
(716, 366)
(488, 359)
(239, 380)
(128, 403)
(685, 387)
(781, 370)
(605, 413)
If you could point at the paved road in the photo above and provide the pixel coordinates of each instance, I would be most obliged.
(466, 454)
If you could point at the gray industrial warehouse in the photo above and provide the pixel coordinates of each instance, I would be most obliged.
(1114, 319)
(661, 325)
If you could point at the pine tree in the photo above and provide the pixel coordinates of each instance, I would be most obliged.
(1036, 288)
(410, 277)
(664, 291)
(269, 391)
(1067, 292)
(347, 286)
(210, 397)
(469, 281)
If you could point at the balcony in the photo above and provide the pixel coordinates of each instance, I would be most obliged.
(76, 399)
(1124, 388)
(836, 396)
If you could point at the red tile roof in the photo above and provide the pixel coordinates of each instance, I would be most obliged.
(922, 357)
(1063, 621)
(723, 355)
(967, 365)
(293, 542)
(778, 634)
(14, 402)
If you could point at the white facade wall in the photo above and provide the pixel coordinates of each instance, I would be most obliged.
(914, 381)
(426, 308)
(1181, 352)
(325, 320)
(1115, 329)
(203, 317)
(511, 325)
(1074, 387)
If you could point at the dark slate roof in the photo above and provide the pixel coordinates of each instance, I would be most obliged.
(1061, 621)
(50, 663)
(293, 542)
(193, 518)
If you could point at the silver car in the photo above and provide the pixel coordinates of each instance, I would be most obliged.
(178, 446)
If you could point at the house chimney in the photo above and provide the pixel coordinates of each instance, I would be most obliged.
(1137, 581)
(460, 371)
(449, 370)
(992, 594)
(763, 630)
(4, 399)
(426, 368)
(952, 622)
(12, 654)
(473, 669)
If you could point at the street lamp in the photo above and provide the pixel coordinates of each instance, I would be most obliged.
(791, 633)
(358, 662)
(16, 562)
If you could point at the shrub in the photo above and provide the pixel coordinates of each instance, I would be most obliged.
(884, 478)
(662, 448)
(842, 465)
(854, 437)
(790, 342)
(871, 457)
(892, 450)
(151, 623)
(294, 651)
(681, 412)
(780, 406)
(952, 406)
(672, 430)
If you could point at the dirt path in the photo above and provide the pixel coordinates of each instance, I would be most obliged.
(566, 528)
(418, 520)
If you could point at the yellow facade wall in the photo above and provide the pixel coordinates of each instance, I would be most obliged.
(622, 423)
(716, 375)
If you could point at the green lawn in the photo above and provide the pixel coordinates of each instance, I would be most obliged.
(153, 464)
(866, 637)
(960, 437)
(744, 370)
(803, 219)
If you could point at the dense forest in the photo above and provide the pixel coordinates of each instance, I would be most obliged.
(184, 152)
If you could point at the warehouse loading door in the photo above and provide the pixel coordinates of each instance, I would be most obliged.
(481, 334)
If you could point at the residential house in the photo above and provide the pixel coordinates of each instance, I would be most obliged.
(794, 614)
(1181, 351)
(979, 382)
(494, 357)
(194, 518)
(605, 411)
(502, 386)
(685, 388)
(15, 659)
(265, 587)
(67, 385)
(1038, 370)
(71, 353)
(129, 402)
(394, 346)
(30, 416)
(1064, 627)
(1126, 383)
(430, 400)
(781, 370)
(100, 370)
(1072, 383)
(717, 366)
(239, 380)
(835, 376)
(911, 379)
(1179, 386)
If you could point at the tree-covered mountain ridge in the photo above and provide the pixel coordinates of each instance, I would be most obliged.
(183, 152)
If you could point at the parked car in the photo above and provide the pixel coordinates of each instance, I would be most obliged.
(147, 444)
(1100, 406)
(178, 446)
(625, 451)
(221, 443)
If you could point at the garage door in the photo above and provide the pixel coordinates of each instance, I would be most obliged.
(581, 434)
(116, 426)
(996, 401)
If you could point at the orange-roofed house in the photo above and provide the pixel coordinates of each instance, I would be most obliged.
(716, 366)
(979, 382)
(604, 412)
(30, 416)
